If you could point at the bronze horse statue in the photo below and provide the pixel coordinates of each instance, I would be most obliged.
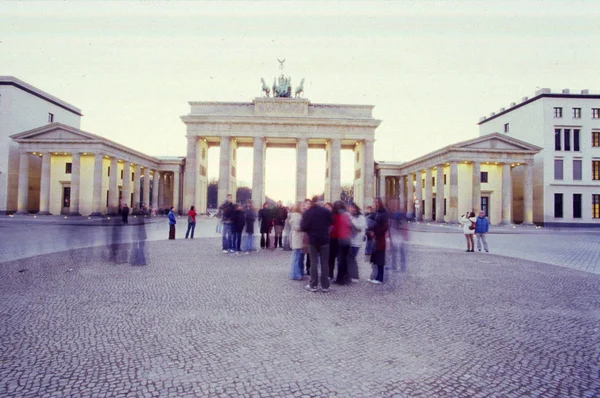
(299, 89)
(265, 88)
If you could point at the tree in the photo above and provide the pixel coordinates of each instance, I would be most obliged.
(347, 194)
(212, 195)
(243, 195)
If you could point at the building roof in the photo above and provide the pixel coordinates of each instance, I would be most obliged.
(20, 84)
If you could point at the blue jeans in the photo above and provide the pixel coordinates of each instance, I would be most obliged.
(228, 237)
(297, 264)
(237, 241)
(249, 243)
(191, 227)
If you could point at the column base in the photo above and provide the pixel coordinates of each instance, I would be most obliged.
(21, 212)
(96, 214)
(528, 224)
(75, 213)
(44, 213)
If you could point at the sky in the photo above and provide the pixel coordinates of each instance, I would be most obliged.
(430, 68)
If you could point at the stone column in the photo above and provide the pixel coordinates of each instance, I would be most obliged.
(528, 194)
(506, 194)
(75, 184)
(158, 190)
(382, 186)
(301, 168)
(419, 196)
(369, 172)
(146, 198)
(410, 190)
(224, 170)
(191, 172)
(126, 187)
(258, 173)
(23, 190)
(402, 194)
(453, 203)
(45, 184)
(428, 196)
(113, 188)
(97, 194)
(476, 205)
(335, 187)
(439, 194)
(175, 201)
(137, 174)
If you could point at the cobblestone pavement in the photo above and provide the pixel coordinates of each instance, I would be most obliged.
(196, 322)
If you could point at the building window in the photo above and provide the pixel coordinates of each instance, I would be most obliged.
(576, 140)
(595, 113)
(558, 205)
(423, 183)
(557, 112)
(595, 170)
(557, 140)
(483, 176)
(357, 156)
(444, 183)
(107, 198)
(558, 169)
(596, 138)
(132, 176)
(595, 206)
(108, 172)
(506, 127)
(576, 113)
(121, 174)
(577, 167)
(433, 181)
(576, 205)
(567, 139)
(50, 117)
(68, 168)
(444, 206)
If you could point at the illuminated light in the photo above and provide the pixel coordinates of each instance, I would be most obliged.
(34, 216)
(65, 216)
(35, 153)
(496, 163)
(108, 218)
(89, 218)
(55, 153)
(85, 153)
(64, 153)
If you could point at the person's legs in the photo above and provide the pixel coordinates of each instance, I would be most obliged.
(342, 276)
(172, 231)
(353, 263)
(295, 264)
(193, 229)
(394, 249)
(308, 263)
(300, 264)
(478, 241)
(380, 262)
(268, 240)
(333, 249)
(324, 257)
(485, 245)
(187, 231)
(467, 239)
(262, 240)
(470, 242)
(231, 238)
(226, 232)
(402, 256)
(314, 264)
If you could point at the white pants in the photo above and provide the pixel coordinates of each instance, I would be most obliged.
(481, 237)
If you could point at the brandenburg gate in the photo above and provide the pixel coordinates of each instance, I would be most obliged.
(279, 121)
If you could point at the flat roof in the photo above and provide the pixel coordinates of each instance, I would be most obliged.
(13, 81)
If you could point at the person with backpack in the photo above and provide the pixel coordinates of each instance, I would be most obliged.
(468, 222)
(482, 226)
(191, 222)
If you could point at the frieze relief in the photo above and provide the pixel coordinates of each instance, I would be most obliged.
(277, 107)
(312, 131)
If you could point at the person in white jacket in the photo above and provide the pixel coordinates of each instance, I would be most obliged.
(468, 222)
(357, 238)
(296, 243)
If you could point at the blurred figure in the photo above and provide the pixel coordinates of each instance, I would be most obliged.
(227, 209)
(137, 256)
(265, 218)
(370, 243)
(191, 222)
(297, 243)
(125, 213)
(359, 227)
(316, 222)
(341, 231)
(250, 218)
(279, 217)
(380, 231)
(287, 230)
(333, 245)
(238, 222)
(399, 238)
(172, 222)
(305, 206)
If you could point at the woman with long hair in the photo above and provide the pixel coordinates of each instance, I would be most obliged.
(468, 221)
(380, 232)
(296, 243)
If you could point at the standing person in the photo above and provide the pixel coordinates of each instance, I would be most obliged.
(379, 235)
(287, 232)
(296, 243)
(468, 222)
(250, 218)
(316, 222)
(305, 206)
(279, 217)
(359, 226)
(370, 244)
(191, 222)
(482, 226)
(125, 214)
(238, 223)
(342, 229)
(333, 244)
(265, 217)
(172, 222)
(227, 209)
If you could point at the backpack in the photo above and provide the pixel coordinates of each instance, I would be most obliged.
(472, 226)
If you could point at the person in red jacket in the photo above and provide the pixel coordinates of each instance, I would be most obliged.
(191, 222)
(342, 229)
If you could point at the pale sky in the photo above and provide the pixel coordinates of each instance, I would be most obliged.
(430, 68)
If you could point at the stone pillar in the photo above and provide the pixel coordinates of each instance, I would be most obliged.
(476, 205)
(506, 194)
(369, 173)
(191, 170)
(428, 196)
(146, 198)
(75, 184)
(453, 203)
(382, 186)
(158, 190)
(410, 190)
(439, 194)
(224, 170)
(335, 187)
(113, 188)
(126, 187)
(45, 184)
(258, 173)
(137, 171)
(528, 194)
(97, 194)
(419, 196)
(23, 190)
(301, 168)
(175, 201)
(402, 194)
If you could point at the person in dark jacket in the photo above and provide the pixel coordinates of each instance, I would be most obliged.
(265, 217)
(250, 218)
(279, 216)
(172, 222)
(482, 226)
(125, 214)
(380, 231)
(226, 210)
(316, 222)
(238, 219)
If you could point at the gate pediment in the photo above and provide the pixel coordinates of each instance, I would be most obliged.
(55, 132)
(496, 141)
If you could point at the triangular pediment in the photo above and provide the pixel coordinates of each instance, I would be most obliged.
(54, 132)
(496, 141)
